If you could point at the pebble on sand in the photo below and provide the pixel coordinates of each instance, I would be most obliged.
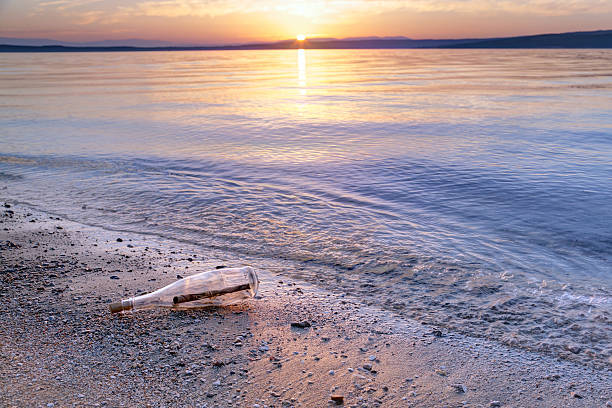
(460, 388)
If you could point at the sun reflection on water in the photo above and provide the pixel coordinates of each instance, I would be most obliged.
(301, 62)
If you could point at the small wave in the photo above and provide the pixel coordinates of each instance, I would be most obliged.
(10, 177)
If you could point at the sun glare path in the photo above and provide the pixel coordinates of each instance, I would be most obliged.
(301, 37)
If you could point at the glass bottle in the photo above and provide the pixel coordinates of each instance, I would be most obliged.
(219, 287)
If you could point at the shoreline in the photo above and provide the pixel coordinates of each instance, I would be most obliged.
(61, 346)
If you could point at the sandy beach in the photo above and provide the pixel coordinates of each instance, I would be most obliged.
(60, 346)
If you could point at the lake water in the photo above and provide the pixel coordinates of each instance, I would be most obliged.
(467, 189)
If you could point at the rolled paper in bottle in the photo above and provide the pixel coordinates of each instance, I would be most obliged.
(209, 294)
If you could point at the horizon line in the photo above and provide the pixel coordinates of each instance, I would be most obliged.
(598, 39)
(181, 44)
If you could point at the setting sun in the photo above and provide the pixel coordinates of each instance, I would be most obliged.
(301, 37)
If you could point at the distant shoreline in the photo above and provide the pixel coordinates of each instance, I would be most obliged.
(601, 39)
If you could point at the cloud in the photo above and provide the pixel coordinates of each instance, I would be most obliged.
(89, 17)
(225, 20)
(323, 8)
(66, 4)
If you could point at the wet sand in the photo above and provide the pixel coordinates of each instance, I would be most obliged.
(60, 346)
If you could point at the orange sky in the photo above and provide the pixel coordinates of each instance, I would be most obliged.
(237, 21)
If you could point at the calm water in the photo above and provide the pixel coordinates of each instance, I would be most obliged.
(471, 189)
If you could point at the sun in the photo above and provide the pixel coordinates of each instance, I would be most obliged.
(301, 37)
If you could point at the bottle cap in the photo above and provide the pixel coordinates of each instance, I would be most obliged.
(124, 305)
(116, 307)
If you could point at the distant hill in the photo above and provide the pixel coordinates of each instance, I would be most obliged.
(129, 42)
(584, 39)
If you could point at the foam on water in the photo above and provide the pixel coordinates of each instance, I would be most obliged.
(469, 189)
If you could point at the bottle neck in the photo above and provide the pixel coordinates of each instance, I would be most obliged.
(127, 304)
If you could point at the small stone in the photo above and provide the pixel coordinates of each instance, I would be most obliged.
(331, 372)
(441, 372)
(217, 383)
(119, 240)
(367, 367)
(576, 395)
(301, 325)
(573, 348)
(372, 358)
(338, 399)
(49, 405)
(114, 277)
(495, 404)
(460, 388)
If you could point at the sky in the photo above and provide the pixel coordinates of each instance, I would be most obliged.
(239, 21)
